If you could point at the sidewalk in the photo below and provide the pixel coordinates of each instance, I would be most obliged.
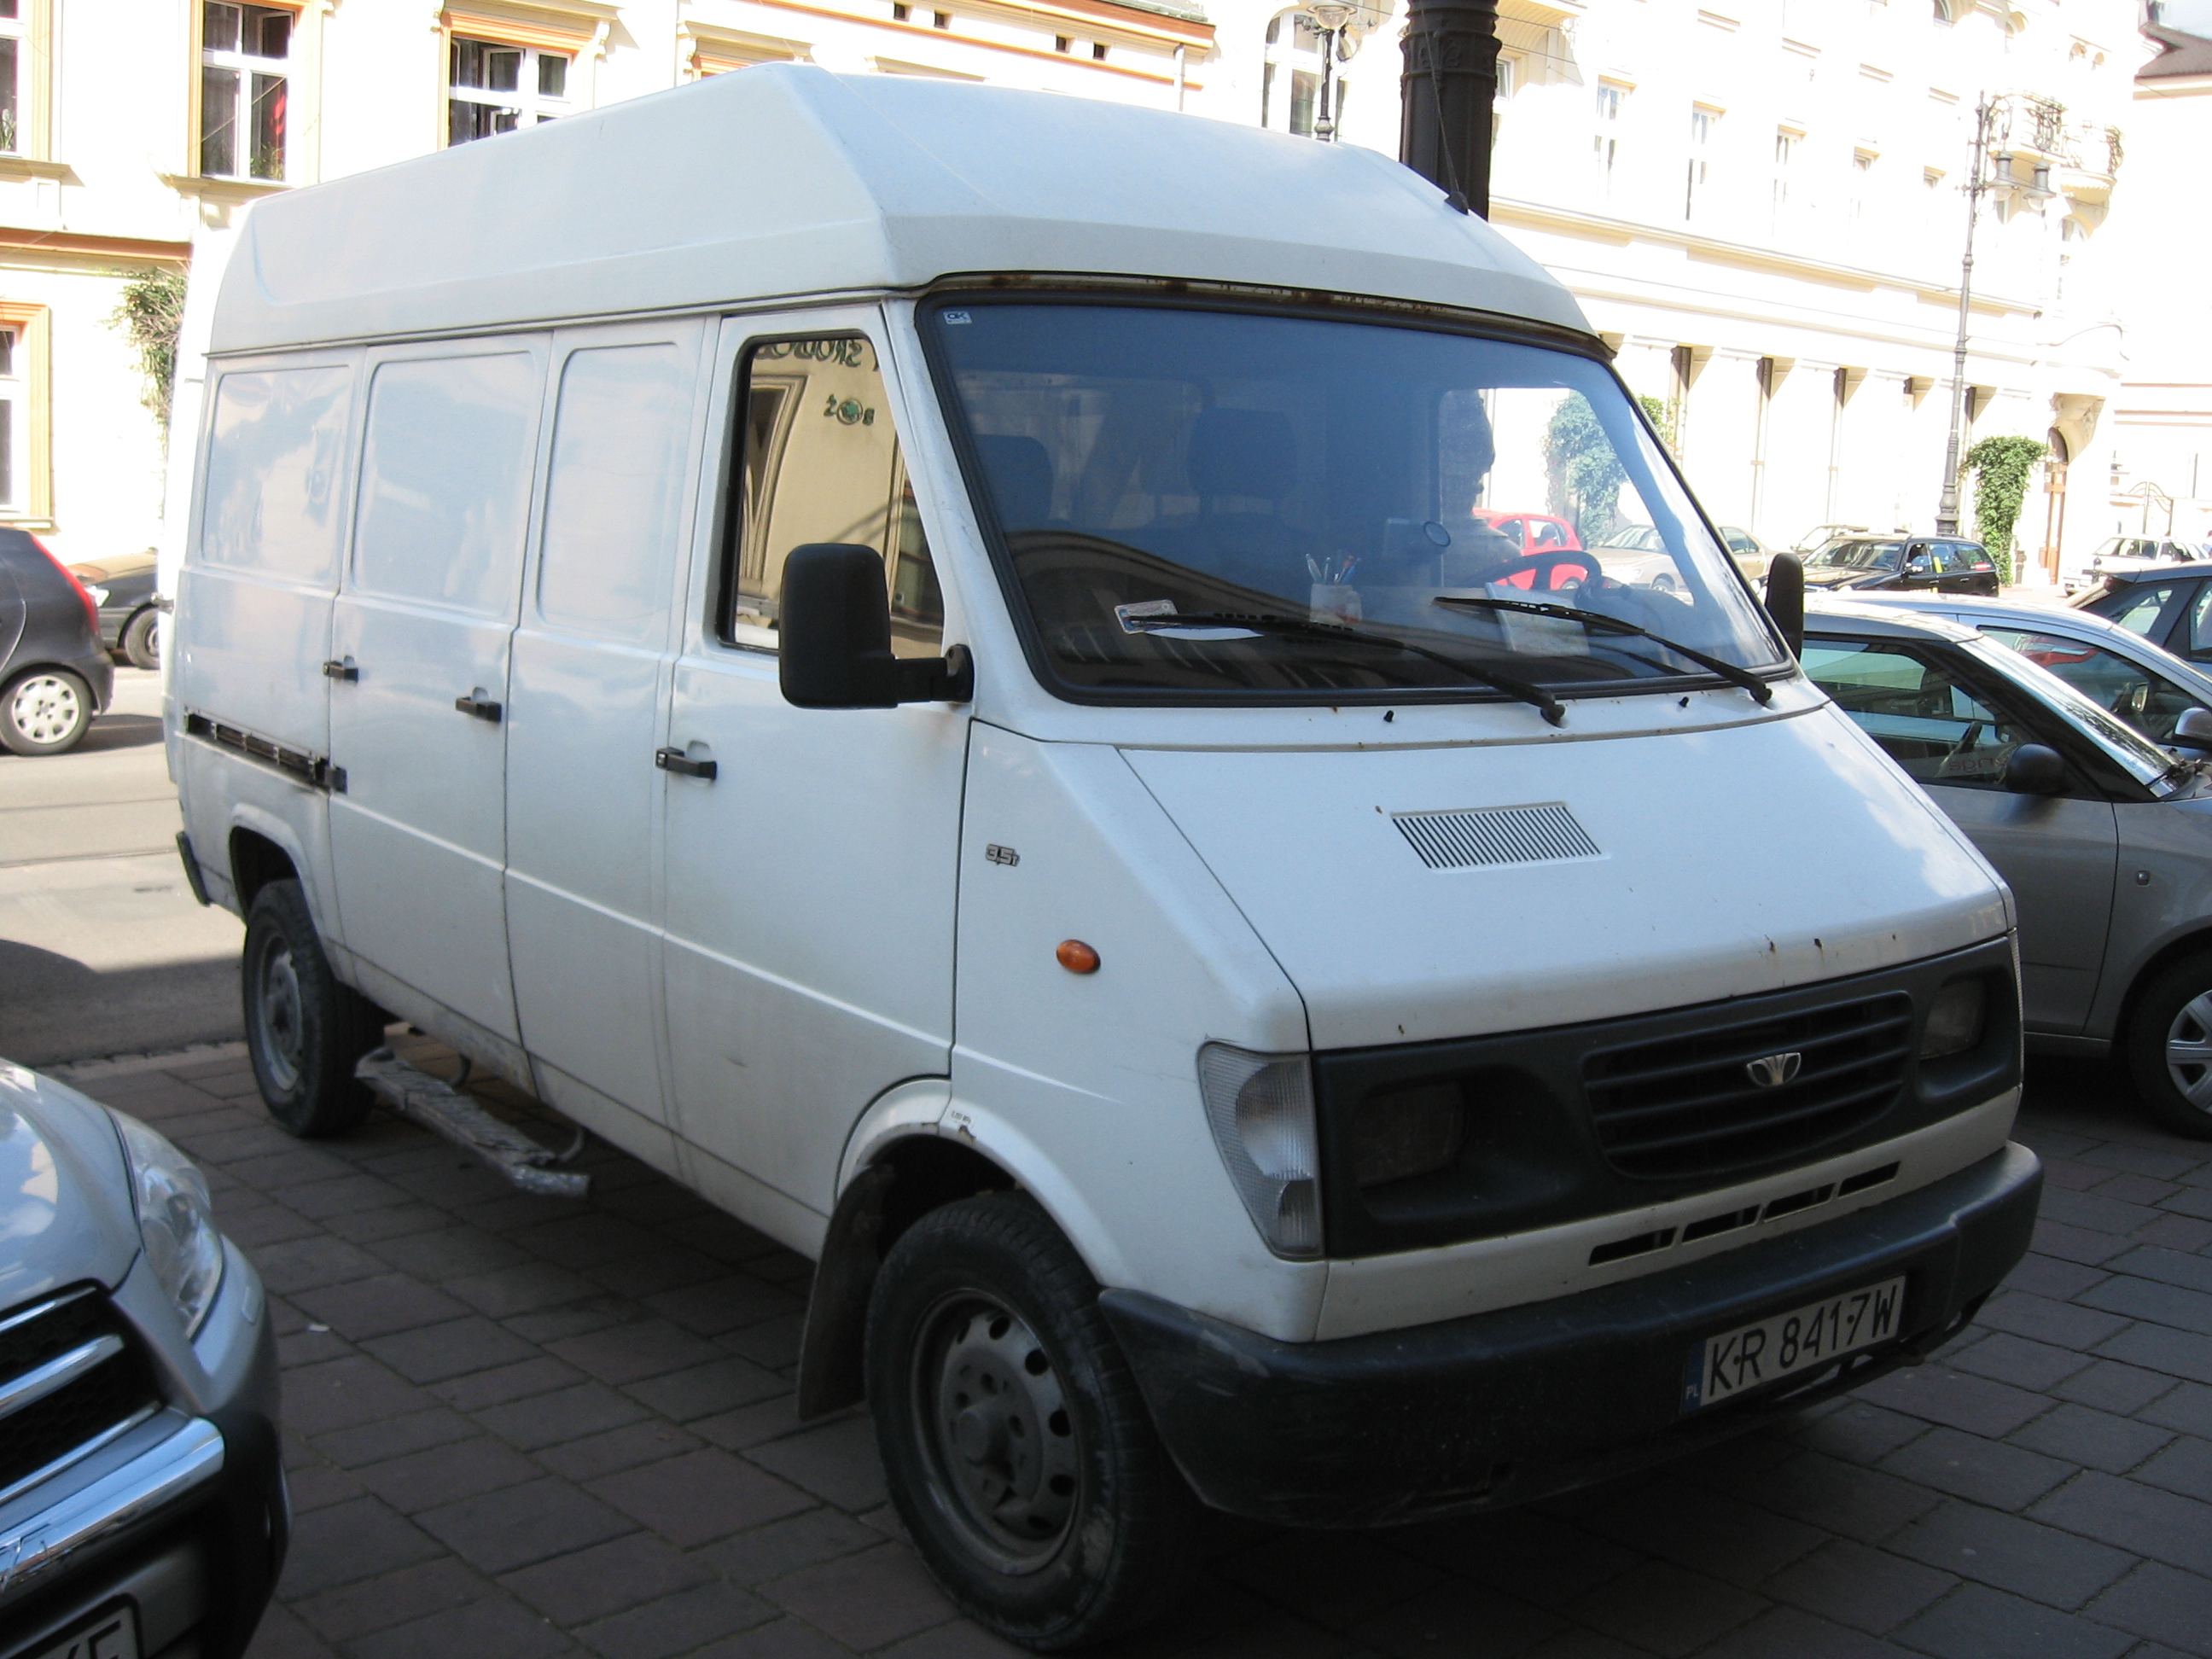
(521, 1426)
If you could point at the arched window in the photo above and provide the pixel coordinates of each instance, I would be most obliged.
(1290, 75)
(1942, 11)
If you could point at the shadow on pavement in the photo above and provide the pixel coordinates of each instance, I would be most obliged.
(55, 1008)
(121, 731)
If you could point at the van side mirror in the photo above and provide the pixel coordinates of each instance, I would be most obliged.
(2194, 729)
(835, 629)
(2033, 770)
(1785, 599)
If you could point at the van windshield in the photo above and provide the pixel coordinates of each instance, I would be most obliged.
(1333, 481)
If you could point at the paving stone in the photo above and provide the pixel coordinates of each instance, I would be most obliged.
(424, 1479)
(837, 1461)
(864, 1600)
(726, 1304)
(281, 1636)
(571, 1318)
(436, 1353)
(2104, 1215)
(786, 1638)
(720, 1385)
(265, 1224)
(2097, 1439)
(2185, 1467)
(362, 1539)
(585, 1240)
(1443, 1620)
(606, 1578)
(304, 1264)
(316, 1486)
(2141, 1160)
(625, 1447)
(344, 1394)
(2074, 1177)
(496, 1628)
(2067, 1324)
(2187, 1408)
(2190, 1201)
(2110, 1386)
(2005, 1477)
(499, 1531)
(2162, 1525)
(750, 1425)
(2137, 1189)
(784, 1546)
(2163, 1603)
(630, 1354)
(547, 1419)
(1666, 1609)
(677, 1624)
(1859, 1432)
(394, 1598)
(1943, 1395)
(393, 1437)
(523, 1379)
(346, 1193)
(2145, 1298)
(1705, 1532)
(450, 1253)
(1980, 1623)
(2024, 1363)
(1801, 1636)
(2010, 1553)
(665, 1269)
(2177, 1232)
(700, 1497)
(1852, 1585)
(2155, 1347)
(773, 1342)
(392, 1221)
(309, 1348)
(525, 1287)
(2077, 1244)
(962, 1640)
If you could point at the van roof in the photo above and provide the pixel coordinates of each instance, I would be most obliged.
(785, 180)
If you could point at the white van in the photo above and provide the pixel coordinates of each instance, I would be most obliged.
(928, 661)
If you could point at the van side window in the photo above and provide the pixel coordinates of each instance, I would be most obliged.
(277, 443)
(820, 462)
(612, 500)
(445, 480)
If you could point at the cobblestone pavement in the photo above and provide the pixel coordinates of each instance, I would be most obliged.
(521, 1426)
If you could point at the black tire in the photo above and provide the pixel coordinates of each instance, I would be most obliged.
(2172, 1016)
(304, 1030)
(1047, 1508)
(44, 711)
(139, 642)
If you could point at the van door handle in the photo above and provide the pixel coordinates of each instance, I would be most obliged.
(481, 709)
(340, 671)
(674, 760)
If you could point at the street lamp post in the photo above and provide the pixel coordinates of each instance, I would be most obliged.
(1447, 94)
(1947, 505)
(1332, 15)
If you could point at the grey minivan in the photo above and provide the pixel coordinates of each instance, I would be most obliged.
(2104, 838)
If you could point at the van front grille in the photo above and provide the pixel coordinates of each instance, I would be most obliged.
(1735, 1097)
(71, 1371)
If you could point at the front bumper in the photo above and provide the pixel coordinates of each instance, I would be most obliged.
(1500, 1408)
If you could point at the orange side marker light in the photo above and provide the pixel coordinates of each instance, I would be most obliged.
(1077, 957)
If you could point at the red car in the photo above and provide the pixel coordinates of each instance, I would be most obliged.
(1538, 533)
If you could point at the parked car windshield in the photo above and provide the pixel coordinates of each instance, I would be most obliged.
(1335, 479)
(2134, 753)
(1862, 556)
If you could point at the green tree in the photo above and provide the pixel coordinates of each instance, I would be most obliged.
(1586, 471)
(151, 314)
(2001, 467)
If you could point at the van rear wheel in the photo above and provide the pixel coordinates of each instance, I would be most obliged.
(1020, 1451)
(304, 1030)
(2169, 1048)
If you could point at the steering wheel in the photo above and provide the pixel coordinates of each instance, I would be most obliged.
(1539, 567)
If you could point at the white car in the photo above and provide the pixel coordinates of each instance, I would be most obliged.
(2133, 553)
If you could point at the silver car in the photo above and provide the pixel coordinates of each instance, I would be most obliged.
(142, 1508)
(2145, 685)
(2104, 838)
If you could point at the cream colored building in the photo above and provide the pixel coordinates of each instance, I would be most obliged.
(1756, 200)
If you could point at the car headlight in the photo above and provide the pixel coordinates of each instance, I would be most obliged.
(1954, 1019)
(99, 594)
(176, 1221)
(1260, 1108)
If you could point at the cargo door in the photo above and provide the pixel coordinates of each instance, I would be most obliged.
(420, 635)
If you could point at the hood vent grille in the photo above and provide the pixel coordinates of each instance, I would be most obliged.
(1544, 834)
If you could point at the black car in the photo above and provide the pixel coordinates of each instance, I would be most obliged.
(55, 673)
(2168, 605)
(124, 589)
(1905, 563)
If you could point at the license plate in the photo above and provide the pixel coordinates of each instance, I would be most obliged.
(113, 1635)
(1722, 1367)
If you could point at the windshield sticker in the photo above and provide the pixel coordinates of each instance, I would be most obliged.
(1130, 614)
(1540, 636)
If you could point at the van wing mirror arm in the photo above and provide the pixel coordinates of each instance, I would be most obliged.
(948, 678)
(1785, 600)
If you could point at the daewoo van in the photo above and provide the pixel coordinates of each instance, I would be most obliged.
(924, 659)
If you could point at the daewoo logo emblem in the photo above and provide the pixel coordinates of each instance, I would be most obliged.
(1772, 1071)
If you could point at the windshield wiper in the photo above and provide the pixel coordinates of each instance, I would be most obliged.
(1761, 692)
(1262, 623)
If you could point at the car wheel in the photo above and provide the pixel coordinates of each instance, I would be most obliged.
(44, 711)
(2169, 1048)
(139, 642)
(304, 1030)
(1020, 1453)
(1664, 583)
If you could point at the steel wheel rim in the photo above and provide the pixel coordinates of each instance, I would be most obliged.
(45, 708)
(2189, 1052)
(997, 1431)
(278, 1023)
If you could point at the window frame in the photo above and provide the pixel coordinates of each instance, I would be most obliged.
(249, 68)
(526, 102)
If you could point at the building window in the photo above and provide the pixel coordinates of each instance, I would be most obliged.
(1099, 51)
(1610, 98)
(942, 20)
(1785, 159)
(900, 14)
(1862, 181)
(13, 425)
(1061, 43)
(243, 58)
(14, 59)
(1509, 76)
(1292, 65)
(1698, 179)
(496, 88)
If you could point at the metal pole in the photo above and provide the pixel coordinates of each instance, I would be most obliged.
(1180, 52)
(1324, 128)
(1445, 96)
(1946, 505)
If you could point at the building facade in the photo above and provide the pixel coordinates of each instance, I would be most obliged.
(1758, 201)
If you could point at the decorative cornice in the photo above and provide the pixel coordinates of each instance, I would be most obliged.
(228, 191)
(26, 166)
(16, 241)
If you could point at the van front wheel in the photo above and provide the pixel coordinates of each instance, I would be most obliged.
(304, 1030)
(1019, 1452)
(2169, 1047)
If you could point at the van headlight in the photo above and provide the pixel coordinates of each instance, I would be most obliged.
(176, 1221)
(1954, 1019)
(1260, 1108)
